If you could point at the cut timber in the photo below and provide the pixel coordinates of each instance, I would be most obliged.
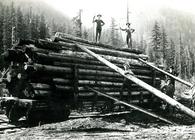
(131, 106)
(136, 71)
(81, 55)
(105, 51)
(73, 39)
(142, 84)
(172, 76)
(47, 68)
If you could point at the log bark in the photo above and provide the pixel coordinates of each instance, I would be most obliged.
(68, 70)
(67, 45)
(47, 68)
(72, 39)
(105, 51)
(136, 71)
(80, 55)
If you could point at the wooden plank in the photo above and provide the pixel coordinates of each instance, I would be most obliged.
(142, 84)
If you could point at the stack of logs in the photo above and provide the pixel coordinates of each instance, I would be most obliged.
(57, 69)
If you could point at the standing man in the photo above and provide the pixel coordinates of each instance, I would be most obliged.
(169, 87)
(172, 80)
(99, 24)
(129, 31)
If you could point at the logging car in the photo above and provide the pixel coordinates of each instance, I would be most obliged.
(47, 79)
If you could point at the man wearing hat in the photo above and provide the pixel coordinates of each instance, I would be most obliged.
(99, 24)
(169, 86)
(129, 31)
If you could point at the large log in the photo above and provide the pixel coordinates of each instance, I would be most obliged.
(106, 51)
(47, 68)
(66, 70)
(63, 60)
(144, 85)
(45, 45)
(81, 55)
(72, 39)
(108, 74)
(136, 71)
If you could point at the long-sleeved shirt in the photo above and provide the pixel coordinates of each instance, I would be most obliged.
(100, 23)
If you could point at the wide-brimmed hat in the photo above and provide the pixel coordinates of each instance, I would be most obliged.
(128, 23)
(99, 15)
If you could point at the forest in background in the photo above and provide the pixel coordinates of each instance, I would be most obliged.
(167, 39)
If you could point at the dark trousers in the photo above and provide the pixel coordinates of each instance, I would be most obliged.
(98, 34)
(129, 41)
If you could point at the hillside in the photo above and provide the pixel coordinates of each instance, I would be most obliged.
(40, 7)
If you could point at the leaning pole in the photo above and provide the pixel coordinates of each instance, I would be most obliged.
(166, 73)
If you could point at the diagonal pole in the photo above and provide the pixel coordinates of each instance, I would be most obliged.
(131, 106)
(172, 76)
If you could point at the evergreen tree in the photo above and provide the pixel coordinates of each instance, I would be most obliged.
(35, 27)
(156, 43)
(171, 54)
(188, 62)
(42, 28)
(142, 45)
(193, 63)
(177, 62)
(37, 22)
(13, 22)
(182, 59)
(13, 14)
(151, 55)
(1, 34)
(85, 34)
(54, 28)
(164, 44)
(156, 36)
(7, 29)
(28, 21)
(1, 27)
(21, 29)
(113, 33)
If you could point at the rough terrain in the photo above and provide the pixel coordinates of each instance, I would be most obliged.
(113, 127)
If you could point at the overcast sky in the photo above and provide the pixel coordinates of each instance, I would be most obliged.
(117, 8)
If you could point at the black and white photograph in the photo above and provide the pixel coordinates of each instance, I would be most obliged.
(97, 69)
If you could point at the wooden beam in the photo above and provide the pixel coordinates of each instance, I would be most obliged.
(142, 84)
(172, 76)
(131, 106)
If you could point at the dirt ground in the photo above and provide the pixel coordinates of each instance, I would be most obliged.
(109, 128)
